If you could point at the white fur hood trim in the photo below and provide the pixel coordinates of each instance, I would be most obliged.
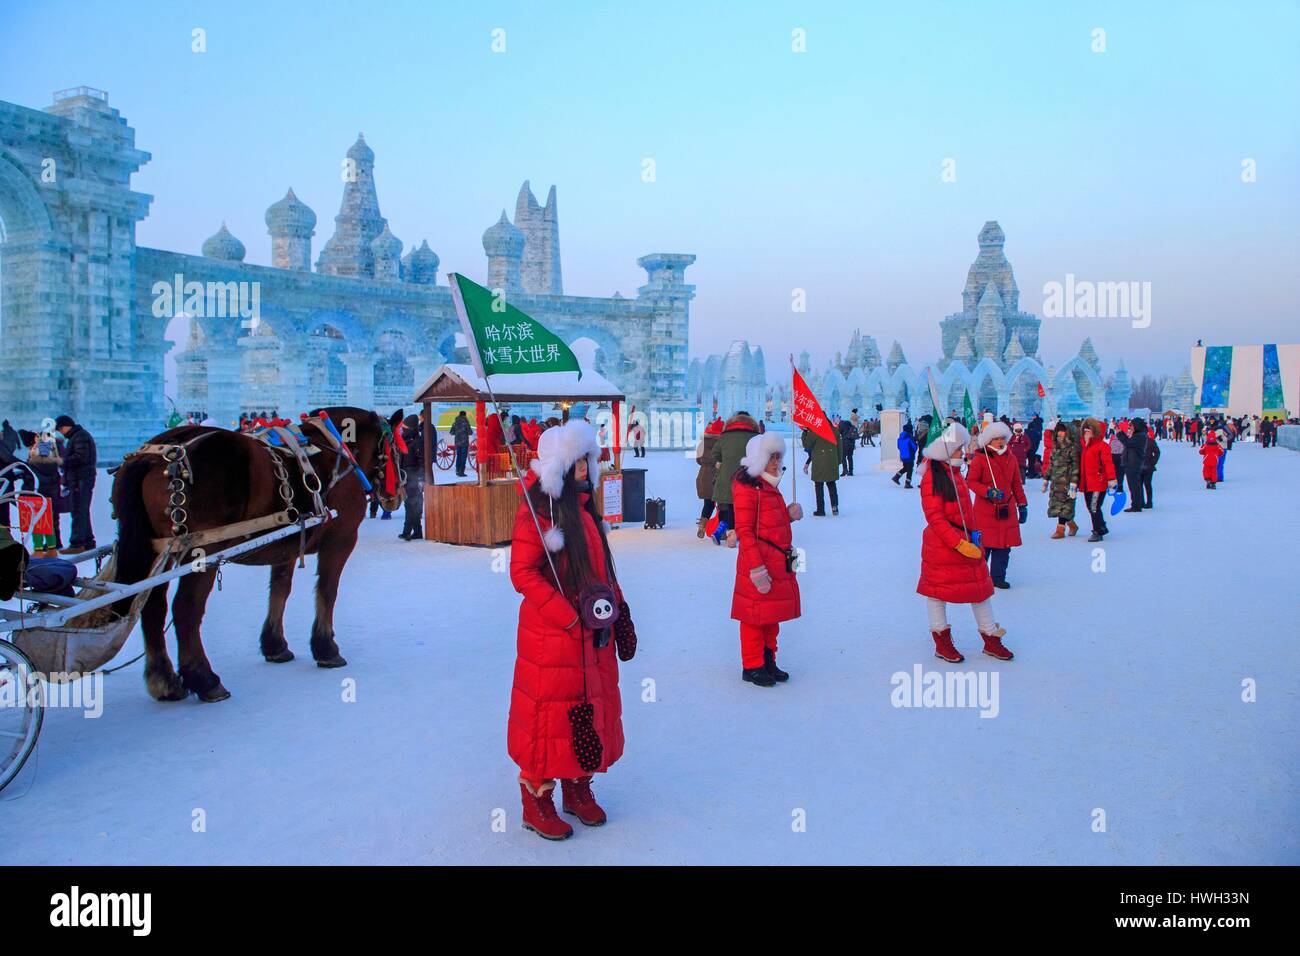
(557, 450)
(759, 449)
(948, 445)
(992, 431)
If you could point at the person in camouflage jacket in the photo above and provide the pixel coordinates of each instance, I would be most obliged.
(1063, 477)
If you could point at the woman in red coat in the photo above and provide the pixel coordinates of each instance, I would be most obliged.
(557, 665)
(1096, 474)
(1211, 452)
(1001, 507)
(766, 592)
(952, 564)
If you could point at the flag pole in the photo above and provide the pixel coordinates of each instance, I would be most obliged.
(472, 344)
(794, 464)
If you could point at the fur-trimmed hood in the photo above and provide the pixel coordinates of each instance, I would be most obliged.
(557, 451)
(993, 430)
(948, 445)
(741, 422)
(758, 450)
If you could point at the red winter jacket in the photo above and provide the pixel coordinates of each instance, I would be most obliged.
(946, 573)
(552, 645)
(1211, 452)
(1096, 466)
(1048, 437)
(761, 514)
(1018, 447)
(986, 470)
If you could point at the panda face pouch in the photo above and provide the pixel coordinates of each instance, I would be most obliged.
(599, 610)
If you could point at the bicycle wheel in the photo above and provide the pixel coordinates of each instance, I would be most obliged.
(22, 709)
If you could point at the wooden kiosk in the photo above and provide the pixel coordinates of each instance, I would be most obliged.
(483, 512)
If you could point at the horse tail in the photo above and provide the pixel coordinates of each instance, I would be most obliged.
(135, 554)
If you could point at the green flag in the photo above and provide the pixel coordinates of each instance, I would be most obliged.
(936, 419)
(503, 340)
(967, 412)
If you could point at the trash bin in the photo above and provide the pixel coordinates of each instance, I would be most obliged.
(633, 495)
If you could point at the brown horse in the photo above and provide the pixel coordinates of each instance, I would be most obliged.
(233, 477)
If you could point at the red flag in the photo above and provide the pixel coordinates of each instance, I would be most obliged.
(807, 413)
(1041, 393)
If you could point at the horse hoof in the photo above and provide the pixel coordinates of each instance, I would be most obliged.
(214, 695)
(335, 661)
(162, 688)
(284, 657)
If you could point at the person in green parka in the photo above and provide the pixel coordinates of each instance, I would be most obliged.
(824, 459)
(1062, 477)
(727, 452)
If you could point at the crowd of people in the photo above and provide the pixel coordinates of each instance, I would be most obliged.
(973, 494)
(59, 465)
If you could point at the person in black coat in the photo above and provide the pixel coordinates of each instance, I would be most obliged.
(460, 431)
(848, 442)
(80, 460)
(1034, 432)
(1133, 460)
(412, 462)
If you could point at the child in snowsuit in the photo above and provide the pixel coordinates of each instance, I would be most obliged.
(1211, 459)
(1000, 503)
(766, 592)
(952, 564)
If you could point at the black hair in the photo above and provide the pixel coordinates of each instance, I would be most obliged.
(573, 562)
(941, 480)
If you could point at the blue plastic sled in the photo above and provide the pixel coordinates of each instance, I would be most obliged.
(1121, 499)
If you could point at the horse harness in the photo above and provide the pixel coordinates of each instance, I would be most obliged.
(281, 445)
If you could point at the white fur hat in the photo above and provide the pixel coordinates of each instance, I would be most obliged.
(955, 437)
(759, 450)
(557, 450)
(992, 431)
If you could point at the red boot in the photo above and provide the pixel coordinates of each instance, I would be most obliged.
(579, 802)
(540, 815)
(943, 646)
(993, 645)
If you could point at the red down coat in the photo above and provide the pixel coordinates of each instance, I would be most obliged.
(549, 662)
(986, 470)
(1096, 466)
(946, 573)
(761, 514)
(1211, 452)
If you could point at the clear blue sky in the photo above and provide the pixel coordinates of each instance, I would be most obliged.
(779, 170)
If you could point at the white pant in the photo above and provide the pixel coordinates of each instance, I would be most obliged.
(938, 612)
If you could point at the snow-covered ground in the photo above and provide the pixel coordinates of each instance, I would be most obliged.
(1125, 698)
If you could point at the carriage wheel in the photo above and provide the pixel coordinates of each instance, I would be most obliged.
(445, 456)
(473, 458)
(22, 709)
